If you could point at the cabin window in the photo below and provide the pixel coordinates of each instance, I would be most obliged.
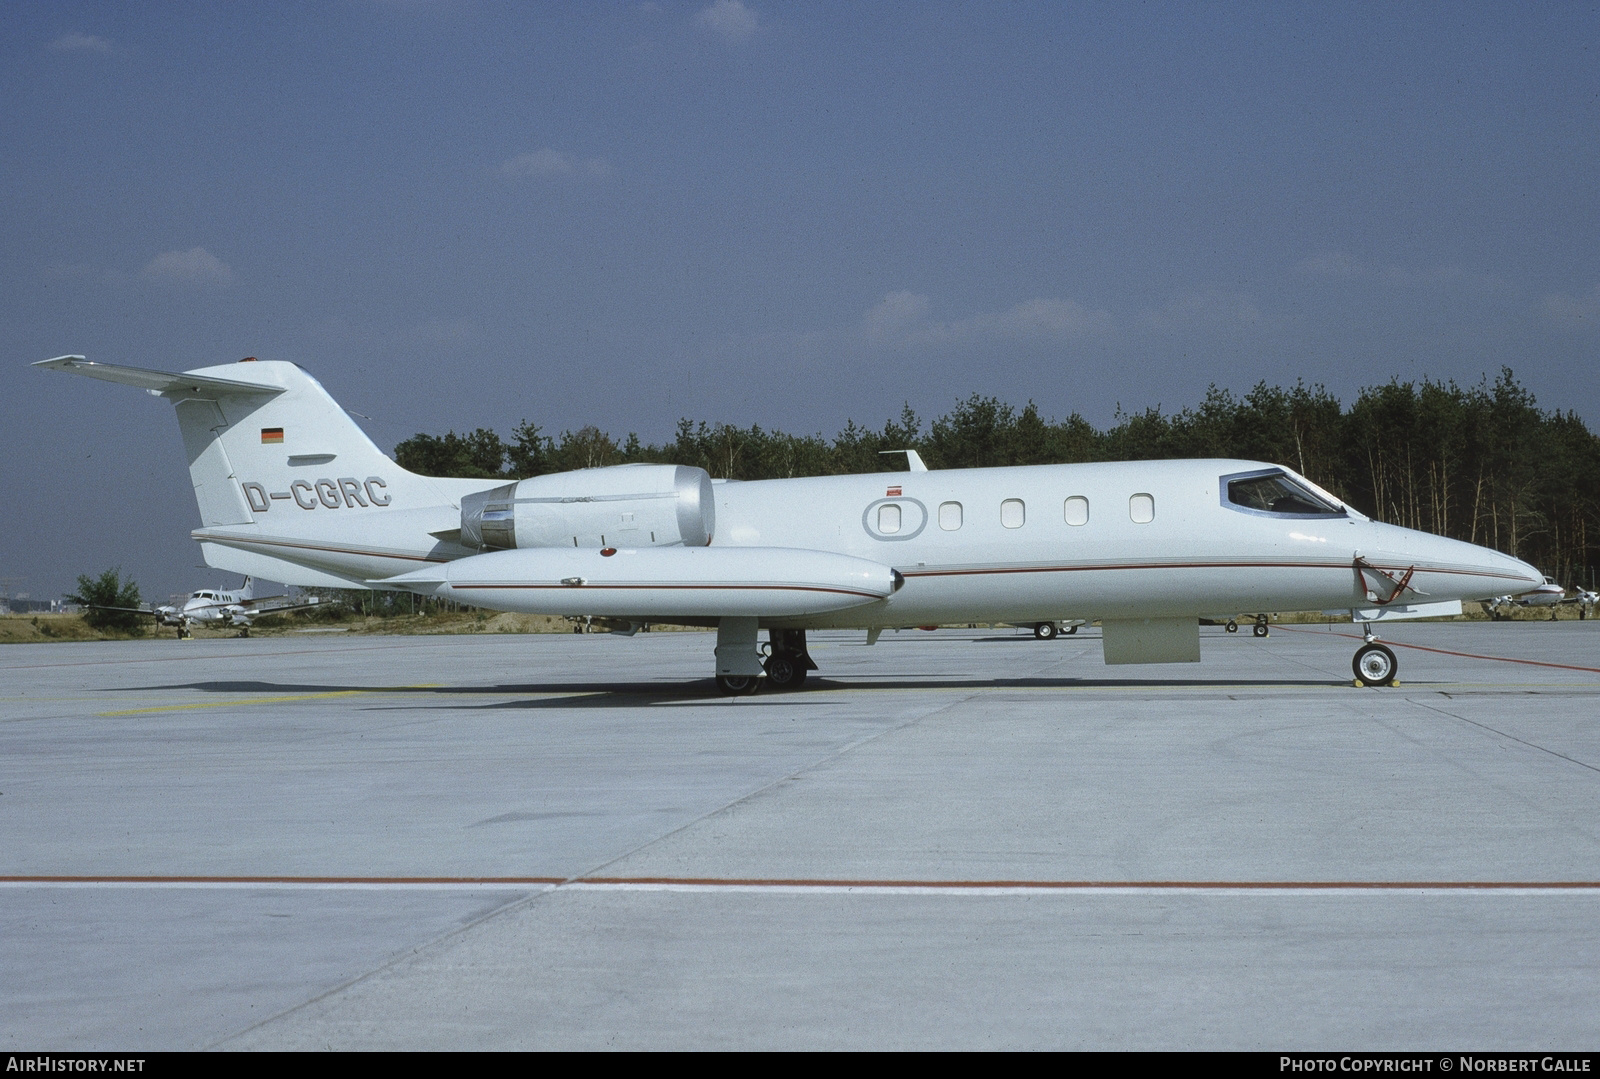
(950, 516)
(1077, 510)
(1142, 509)
(888, 518)
(1013, 513)
(1275, 493)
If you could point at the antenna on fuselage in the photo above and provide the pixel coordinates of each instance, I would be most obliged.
(913, 460)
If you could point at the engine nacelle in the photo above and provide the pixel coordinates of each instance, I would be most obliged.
(619, 506)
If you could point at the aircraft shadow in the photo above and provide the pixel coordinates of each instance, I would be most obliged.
(703, 691)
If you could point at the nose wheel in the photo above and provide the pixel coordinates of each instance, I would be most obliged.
(1375, 665)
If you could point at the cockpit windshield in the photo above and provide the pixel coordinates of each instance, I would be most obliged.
(1277, 494)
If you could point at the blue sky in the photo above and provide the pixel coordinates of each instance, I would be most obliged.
(459, 214)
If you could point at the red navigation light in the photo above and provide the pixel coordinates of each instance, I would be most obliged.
(607, 552)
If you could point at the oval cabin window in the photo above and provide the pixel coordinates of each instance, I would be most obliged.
(1012, 513)
(950, 516)
(1142, 508)
(1077, 510)
(889, 519)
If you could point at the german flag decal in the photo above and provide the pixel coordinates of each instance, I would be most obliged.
(271, 436)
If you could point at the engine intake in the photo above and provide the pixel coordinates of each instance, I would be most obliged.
(619, 506)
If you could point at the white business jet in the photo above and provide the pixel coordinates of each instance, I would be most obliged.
(234, 609)
(290, 489)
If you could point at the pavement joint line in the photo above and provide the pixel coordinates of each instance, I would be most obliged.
(803, 885)
(840, 751)
(1510, 737)
(524, 902)
(394, 959)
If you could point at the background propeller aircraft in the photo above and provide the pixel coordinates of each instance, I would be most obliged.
(290, 489)
(1548, 594)
(217, 607)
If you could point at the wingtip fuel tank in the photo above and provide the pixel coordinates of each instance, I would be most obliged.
(658, 582)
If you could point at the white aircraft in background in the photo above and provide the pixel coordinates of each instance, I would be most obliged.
(290, 489)
(218, 607)
(1548, 594)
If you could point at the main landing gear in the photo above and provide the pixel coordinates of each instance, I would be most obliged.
(737, 685)
(1045, 631)
(787, 662)
(1260, 629)
(741, 669)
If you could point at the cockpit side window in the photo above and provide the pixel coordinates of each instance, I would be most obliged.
(1275, 494)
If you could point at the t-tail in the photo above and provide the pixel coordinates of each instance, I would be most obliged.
(288, 487)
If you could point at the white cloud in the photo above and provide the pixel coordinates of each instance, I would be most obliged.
(1208, 308)
(730, 20)
(554, 163)
(196, 266)
(901, 319)
(1574, 310)
(895, 312)
(1042, 318)
(80, 43)
(1338, 264)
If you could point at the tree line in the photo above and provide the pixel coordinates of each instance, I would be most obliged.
(1480, 463)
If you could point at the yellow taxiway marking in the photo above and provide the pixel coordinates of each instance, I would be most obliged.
(267, 700)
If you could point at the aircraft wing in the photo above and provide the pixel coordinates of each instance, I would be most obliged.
(130, 610)
(160, 383)
(261, 612)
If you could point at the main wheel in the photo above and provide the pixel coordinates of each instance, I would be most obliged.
(1045, 631)
(785, 672)
(1260, 629)
(1375, 665)
(1232, 626)
(1070, 630)
(737, 685)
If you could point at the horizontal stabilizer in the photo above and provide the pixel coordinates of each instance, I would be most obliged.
(161, 383)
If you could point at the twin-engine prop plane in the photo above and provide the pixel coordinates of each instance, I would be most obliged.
(1549, 594)
(290, 489)
(234, 609)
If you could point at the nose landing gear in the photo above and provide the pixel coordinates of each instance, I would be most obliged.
(1375, 665)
